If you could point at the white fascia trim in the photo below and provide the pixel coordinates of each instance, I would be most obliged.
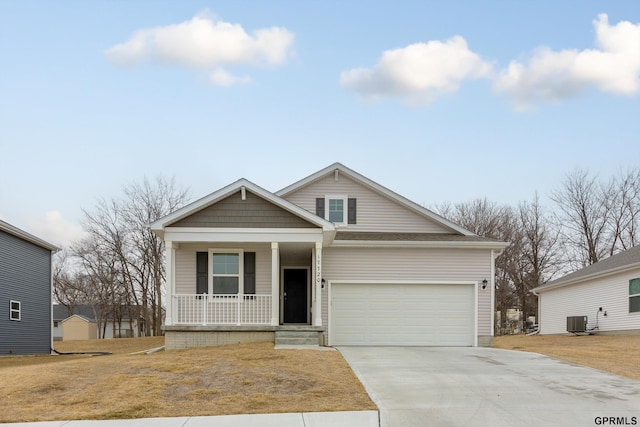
(591, 276)
(212, 198)
(412, 244)
(190, 234)
(377, 187)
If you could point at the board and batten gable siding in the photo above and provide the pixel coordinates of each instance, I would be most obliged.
(375, 212)
(584, 299)
(411, 264)
(233, 212)
(186, 265)
(25, 276)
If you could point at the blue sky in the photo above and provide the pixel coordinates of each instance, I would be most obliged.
(439, 101)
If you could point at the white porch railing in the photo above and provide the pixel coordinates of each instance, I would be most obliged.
(234, 309)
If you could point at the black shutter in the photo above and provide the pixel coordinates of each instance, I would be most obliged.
(249, 272)
(352, 211)
(320, 207)
(202, 272)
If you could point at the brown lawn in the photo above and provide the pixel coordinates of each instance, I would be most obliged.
(619, 355)
(233, 379)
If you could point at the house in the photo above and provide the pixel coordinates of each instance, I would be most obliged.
(334, 257)
(607, 292)
(25, 292)
(95, 325)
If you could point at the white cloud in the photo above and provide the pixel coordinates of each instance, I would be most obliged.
(55, 229)
(204, 42)
(555, 75)
(221, 77)
(419, 72)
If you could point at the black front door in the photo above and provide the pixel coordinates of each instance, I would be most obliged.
(295, 295)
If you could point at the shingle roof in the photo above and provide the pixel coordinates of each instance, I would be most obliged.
(60, 312)
(620, 261)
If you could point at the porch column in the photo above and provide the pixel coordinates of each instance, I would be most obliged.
(275, 284)
(170, 262)
(317, 284)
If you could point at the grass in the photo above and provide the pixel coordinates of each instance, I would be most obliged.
(618, 355)
(233, 379)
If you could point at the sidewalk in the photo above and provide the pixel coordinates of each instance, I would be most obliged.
(307, 419)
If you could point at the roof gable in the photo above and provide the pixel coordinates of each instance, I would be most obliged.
(619, 262)
(240, 186)
(443, 224)
(238, 211)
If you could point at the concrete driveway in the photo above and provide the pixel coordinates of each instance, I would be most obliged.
(420, 386)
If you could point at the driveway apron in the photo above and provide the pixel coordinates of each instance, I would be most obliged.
(436, 386)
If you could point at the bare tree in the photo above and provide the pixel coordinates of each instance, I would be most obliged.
(68, 287)
(123, 258)
(539, 251)
(145, 203)
(624, 222)
(584, 213)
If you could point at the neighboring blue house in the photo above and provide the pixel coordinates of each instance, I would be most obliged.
(25, 292)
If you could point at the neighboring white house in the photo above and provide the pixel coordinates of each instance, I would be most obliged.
(335, 256)
(608, 292)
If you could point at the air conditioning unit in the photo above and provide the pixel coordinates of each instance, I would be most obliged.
(576, 324)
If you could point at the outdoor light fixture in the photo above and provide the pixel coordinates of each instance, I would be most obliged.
(485, 282)
(323, 282)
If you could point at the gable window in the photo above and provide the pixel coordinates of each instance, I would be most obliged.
(338, 209)
(225, 272)
(634, 295)
(15, 310)
(335, 211)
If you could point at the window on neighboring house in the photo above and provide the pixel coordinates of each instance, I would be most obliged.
(55, 323)
(226, 268)
(15, 310)
(634, 295)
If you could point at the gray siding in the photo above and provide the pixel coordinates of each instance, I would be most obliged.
(376, 212)
(389, 264)
(25, 276)
(233, 212)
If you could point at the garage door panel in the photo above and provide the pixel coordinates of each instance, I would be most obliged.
(402, 314)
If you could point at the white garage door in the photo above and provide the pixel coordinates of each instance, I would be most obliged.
(402, 314)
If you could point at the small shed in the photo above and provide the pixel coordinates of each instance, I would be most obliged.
(78, 327)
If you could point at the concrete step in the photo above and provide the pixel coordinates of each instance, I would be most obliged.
(297, 338)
